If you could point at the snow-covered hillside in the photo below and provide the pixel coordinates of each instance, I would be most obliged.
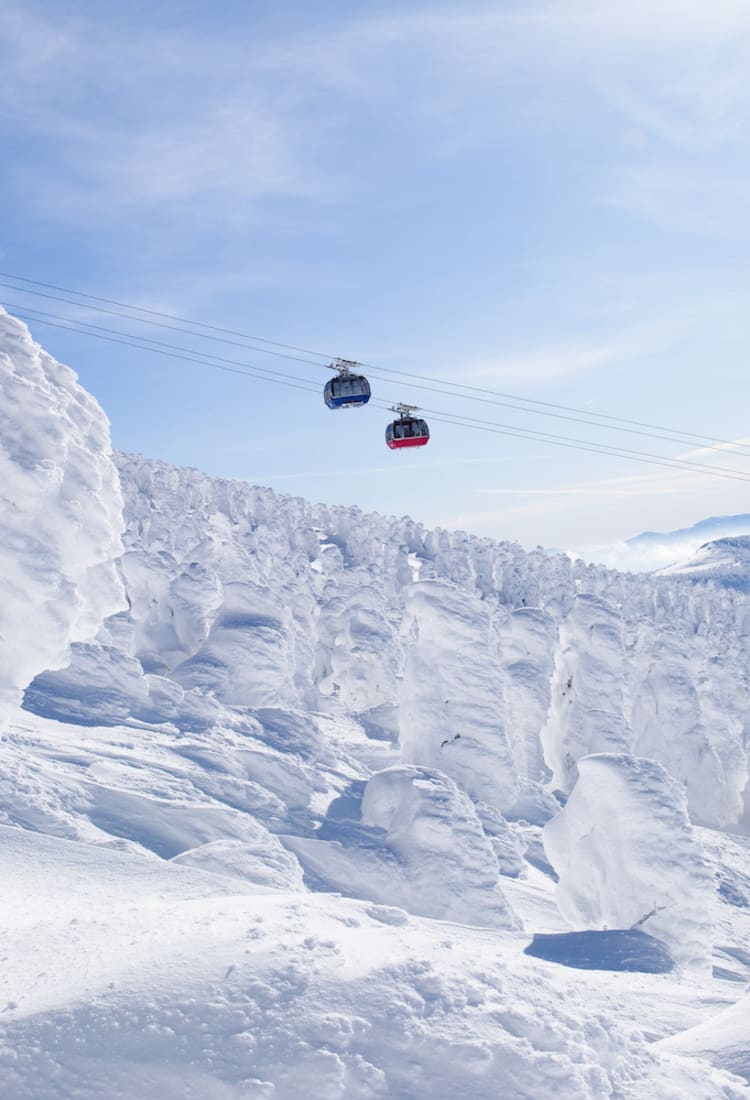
(726, 562)
(653, 550)
(289, 820)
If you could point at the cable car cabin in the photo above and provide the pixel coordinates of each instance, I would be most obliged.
(407, 431)
(347, 391)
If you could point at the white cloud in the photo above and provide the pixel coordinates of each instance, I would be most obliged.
(546, 364)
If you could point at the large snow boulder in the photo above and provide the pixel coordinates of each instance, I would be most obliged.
(444, 854)
(408, 837)
(528, 639)
(247, 658)
(623, 847)
(101, 686)
(60, 513)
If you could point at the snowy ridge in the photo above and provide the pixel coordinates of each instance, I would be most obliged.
(288, 821)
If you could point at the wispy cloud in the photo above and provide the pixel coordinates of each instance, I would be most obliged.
(625, 506)
(701, 200)
(545, 364)
(399, 468)
(206, 116)
(580, 491)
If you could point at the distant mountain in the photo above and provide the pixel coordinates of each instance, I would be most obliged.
(706, 530)
(725, 561)
(653, 551)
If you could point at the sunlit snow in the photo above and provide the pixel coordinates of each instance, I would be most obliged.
(293, 789)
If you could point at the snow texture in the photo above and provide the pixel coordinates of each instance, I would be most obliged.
(724, 1040)
(60, 513)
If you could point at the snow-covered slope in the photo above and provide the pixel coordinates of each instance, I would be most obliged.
(725, 561)
(289, 821)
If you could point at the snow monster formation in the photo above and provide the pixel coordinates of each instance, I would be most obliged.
(60, 513)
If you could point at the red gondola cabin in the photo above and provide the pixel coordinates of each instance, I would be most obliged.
(407, 431)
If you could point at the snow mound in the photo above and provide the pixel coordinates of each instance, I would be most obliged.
(724, 1040)
(624, 848)
(689, 736)
(60, 512)
(587, 707)
(258, 858)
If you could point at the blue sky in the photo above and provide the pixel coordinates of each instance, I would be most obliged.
(548, 198)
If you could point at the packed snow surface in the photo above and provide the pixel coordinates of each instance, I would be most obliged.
(287, 817)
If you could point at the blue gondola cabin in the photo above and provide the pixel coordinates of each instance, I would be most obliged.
(346, 391)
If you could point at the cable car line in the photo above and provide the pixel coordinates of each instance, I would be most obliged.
(264, 374)
(251, 372)
(312, 387)
(159, 324)
(482, 394)
(694, 439)
(376, 372)
(688, 442)
(156, 313)
(582, 444)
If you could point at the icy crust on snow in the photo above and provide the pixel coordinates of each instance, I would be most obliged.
(251, 599)
(624, 849)
(60, 513)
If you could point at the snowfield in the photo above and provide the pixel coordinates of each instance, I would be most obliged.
(293, 789)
